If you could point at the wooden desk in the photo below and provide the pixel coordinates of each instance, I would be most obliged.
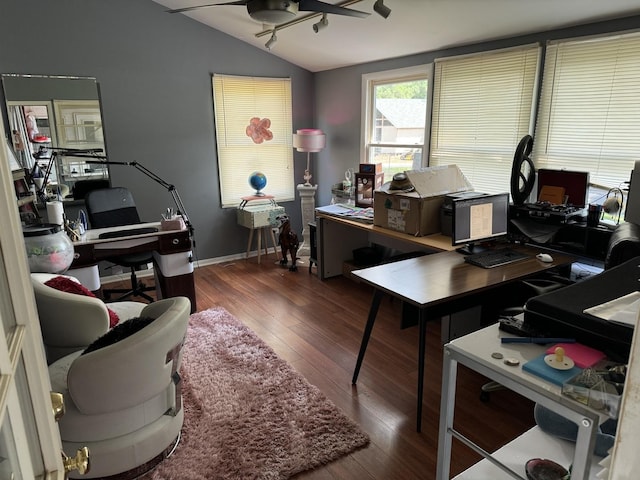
(438, 285)
(337, 237)
(173, 267)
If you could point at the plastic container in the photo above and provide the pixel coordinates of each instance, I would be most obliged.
(49, 250)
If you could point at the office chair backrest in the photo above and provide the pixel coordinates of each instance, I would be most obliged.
(111, 207)
(82, 187)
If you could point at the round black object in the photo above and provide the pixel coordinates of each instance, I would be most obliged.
(544, 469)
(523, 173)
(41, 229)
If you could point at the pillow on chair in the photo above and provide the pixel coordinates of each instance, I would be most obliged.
(65, 284)
(119, 332)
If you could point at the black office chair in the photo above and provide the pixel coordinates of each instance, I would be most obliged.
(115, 207)
(82, 187)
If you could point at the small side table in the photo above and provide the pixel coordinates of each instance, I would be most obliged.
(258, 217)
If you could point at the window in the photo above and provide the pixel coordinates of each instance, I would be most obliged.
(253, 133)
(589, 116)
(482, 107)
(395, 117)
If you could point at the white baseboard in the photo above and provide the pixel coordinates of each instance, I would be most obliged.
(123, 277)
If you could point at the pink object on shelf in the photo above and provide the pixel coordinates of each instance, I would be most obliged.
(583, 356)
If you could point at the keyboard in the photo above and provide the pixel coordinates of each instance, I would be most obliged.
(495, 258)
(127, 233)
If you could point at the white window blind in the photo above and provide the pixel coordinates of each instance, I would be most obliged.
(253, 133)
(482, 107)
(589, 118)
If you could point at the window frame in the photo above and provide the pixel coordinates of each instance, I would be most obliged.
(486, 167)
(399, 75)
(557, 159)
(278, 164)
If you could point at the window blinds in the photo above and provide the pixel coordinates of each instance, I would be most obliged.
(482, 107)
(589, 116)
(237, 101)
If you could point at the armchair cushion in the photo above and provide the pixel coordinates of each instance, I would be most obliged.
(66, 284)
(119, 332)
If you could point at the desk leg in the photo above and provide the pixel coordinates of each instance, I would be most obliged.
(249, 243)
(447, 408)
(585, 442)
(421, 354)
(373, 311)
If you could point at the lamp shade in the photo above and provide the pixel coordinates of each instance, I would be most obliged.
(309, 140)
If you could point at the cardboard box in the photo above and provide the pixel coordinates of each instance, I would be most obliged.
(418, 212)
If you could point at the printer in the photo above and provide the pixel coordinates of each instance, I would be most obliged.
(560, 313)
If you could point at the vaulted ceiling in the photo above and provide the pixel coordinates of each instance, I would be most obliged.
(413, 26)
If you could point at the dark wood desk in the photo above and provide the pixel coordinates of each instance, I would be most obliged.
(337, 237)
(173, 268)
(440, 284)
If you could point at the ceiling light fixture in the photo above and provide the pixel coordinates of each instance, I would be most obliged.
(321, 24)
(381, 9)
(272, 40)
(302, 18)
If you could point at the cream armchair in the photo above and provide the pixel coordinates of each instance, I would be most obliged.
(123, 401)
(69, 322)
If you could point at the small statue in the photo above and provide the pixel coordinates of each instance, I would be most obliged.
(288, 241)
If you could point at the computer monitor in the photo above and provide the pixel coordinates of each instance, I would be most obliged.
(575, 185)
(477, 220)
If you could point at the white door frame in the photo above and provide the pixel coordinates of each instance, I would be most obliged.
(25, 402)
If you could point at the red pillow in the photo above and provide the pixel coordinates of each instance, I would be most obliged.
(65, 284)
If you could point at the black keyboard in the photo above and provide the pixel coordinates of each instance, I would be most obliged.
(495, 258)
(127, 233)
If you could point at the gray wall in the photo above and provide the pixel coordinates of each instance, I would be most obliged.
(154, 72)
(338, 97)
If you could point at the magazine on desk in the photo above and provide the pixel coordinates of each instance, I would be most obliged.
(359, 214)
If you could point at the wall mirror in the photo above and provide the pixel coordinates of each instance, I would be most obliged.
(45, 114)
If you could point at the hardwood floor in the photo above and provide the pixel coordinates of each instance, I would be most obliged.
(317, 327)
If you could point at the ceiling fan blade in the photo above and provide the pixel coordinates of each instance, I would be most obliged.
(187, 9)
(323, 7)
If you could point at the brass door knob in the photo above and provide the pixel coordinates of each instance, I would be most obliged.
(80, 462)
(57, 405)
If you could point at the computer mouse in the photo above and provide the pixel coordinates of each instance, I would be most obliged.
(544, 257)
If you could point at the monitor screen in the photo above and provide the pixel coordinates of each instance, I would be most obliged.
(573, 185)
(479, 219)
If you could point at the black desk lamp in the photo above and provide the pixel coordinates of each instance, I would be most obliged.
(91, 154)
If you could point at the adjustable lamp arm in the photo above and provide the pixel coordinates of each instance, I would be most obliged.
(101, 159)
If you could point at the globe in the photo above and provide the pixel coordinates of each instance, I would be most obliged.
(258, 180)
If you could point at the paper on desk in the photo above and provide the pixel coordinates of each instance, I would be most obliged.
(623, 310)
(350, 212)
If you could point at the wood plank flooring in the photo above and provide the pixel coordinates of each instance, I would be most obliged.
(317, 327)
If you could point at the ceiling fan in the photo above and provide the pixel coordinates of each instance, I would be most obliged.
(279, 11)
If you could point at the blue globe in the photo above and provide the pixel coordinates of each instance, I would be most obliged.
(258, 180)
